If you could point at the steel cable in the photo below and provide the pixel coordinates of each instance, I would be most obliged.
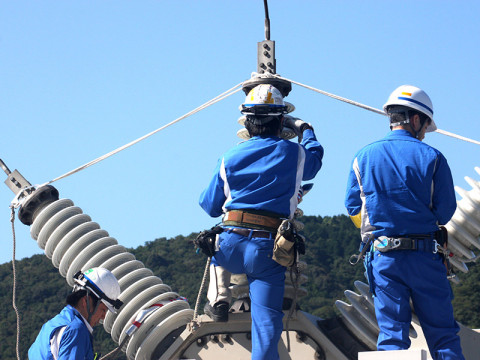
(216, 99)
(369, 108)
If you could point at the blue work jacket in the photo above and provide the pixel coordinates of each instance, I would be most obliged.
(263, 173)
(400, 186)
(76, 342)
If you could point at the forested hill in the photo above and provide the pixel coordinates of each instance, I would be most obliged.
(41, 291)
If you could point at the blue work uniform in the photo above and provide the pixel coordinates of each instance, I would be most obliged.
(75, 344)
(399, 186)
(262, 174)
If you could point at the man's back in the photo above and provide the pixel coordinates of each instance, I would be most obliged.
(75, 341)
(263, 173)
(407, 186)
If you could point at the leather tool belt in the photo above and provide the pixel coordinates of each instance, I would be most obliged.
(251, 220)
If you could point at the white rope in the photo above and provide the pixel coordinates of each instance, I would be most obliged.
(202, 286)
(335, 96)
(224, 95)
(14, 292)
(216, 99)
(194, 324)
(363, 106)
(443, 132)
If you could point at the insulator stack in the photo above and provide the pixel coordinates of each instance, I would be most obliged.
(76, 243)
(359, 316)
(464, 227)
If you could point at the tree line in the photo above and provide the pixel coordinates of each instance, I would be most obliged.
(330, 241)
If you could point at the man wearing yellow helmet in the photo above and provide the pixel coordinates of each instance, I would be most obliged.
(399, 191)
(255, 186)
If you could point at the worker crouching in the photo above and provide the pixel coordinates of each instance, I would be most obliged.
(69, 334)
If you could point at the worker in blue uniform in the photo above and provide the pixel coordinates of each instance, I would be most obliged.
(68, 336)
(399, 191)
(254, 186)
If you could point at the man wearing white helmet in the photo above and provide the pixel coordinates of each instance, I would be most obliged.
(68, 336)
(399, 192)
(255, 186)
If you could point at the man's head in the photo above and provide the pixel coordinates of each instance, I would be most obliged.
(264, 108)
(95, 292)
(410, 108)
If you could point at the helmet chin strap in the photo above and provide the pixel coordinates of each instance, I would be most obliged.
(90, 314)
(282, 123)
(421, 127)
(407, 121)
(413, 129)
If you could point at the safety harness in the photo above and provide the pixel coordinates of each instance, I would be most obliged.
(427, 244)
(436, 242)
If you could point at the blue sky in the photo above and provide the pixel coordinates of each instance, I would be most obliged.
(79, 79)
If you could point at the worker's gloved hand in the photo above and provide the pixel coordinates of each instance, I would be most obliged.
(297, 125)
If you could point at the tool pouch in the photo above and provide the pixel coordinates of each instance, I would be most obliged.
(205, 241)
(442, 238)
(287, 242)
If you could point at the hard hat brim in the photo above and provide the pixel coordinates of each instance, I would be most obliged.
(432, 127)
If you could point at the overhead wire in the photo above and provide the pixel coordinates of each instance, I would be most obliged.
(369, 108)
(226, 94)
(216, 99)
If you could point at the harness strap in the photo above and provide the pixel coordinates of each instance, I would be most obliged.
(385, 244)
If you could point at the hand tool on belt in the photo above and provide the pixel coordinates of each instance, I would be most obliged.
(251, 220)
(354, 259)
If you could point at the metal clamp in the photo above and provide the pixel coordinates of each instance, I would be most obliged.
(354, 259)
(436, 247)
(395, 243)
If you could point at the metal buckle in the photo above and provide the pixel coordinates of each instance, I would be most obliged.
(395, 243)
(436, 246)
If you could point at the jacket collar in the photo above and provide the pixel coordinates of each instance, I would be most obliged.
(400, 133)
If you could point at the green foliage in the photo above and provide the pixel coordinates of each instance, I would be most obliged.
(330, 241)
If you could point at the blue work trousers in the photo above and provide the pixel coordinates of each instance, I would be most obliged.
(421, 276)
(253, 256)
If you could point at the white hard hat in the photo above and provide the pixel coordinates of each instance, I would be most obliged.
(264, 100)
(102, 283)
(414, 98)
